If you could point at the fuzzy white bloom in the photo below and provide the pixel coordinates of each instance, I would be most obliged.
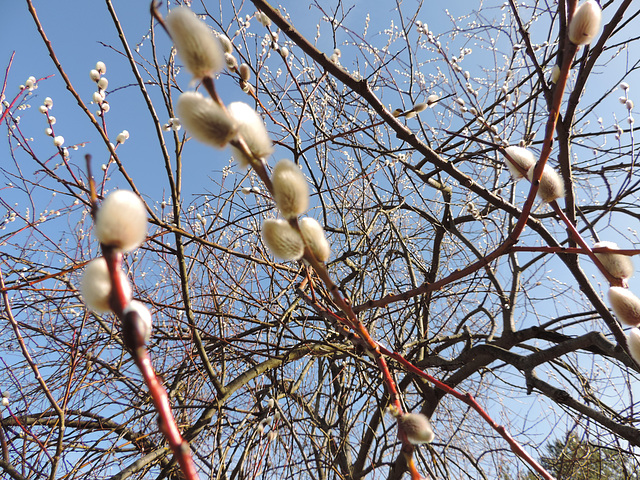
(138, 319)
(121, 221)
(122, 136)
(313, 235)
(105, 107)
(521, 157)
(227, 46)
(48, 131)
(95, 286)
(432, 100)
(625, 305)
(619, 266)
(555, 73)
(634, 344)
(253, 131)
(624, 86)
(416, 427)
(101, 68)
(58, 141)
(284, 51)
(290, 189)
(230, 60)
(551, 185)
(198, 48)
(585, 23)
(282, 239)
(460, 101)
(95, 75)
(629, 104)
(245, 72)
(48, 102)
(103, 83)
(43, 109)
(205, 119)
(97, 97)
(411, 114)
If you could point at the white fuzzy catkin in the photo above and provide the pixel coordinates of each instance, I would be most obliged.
(121, 221)
(253, 131)
(551, 185)
(282, 239)
(416, 427)
(313, 235)
(205, 119)
(522, 157)
(290, 189)
(144, 324)
(619, 266)
(625, 305)
(633, 341)
(197, 46)
(95, 286)
(585, 23)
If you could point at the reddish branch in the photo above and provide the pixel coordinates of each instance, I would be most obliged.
(138, 351)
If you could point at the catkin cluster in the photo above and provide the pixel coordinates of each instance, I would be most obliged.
(121, 225)
(521, 162)
(239, 125)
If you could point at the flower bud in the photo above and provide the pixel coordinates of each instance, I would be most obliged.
(101, 68)
(136, 325)
(253, 131)
(205, 119)
(625, 305)
(416, 427)
(313, 235)
(619, 266)
(555, 73)
(58, 141)
(95, 286)
(245, 72)
(282, 239)
(585, 23)
(418, 107)
(227, 46)
(95, 75)
(290, 189)
(122, 136)
(121, 221)
(633, 340)
(103, 83)
(432, 100)
(521, 157)
(197, 46)
(551, 184)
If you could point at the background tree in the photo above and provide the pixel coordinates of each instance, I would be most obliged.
(396, 119)
(574, 458)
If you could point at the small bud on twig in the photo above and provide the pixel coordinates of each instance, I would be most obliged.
(136, 325)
